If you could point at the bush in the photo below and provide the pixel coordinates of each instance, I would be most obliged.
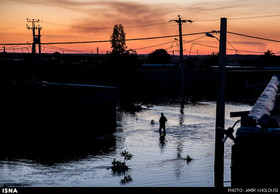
(159, 56)
(119, 166)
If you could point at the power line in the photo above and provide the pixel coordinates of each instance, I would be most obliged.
(236, 51)
(161, 23)
(13, 47)
(110, 28)
(103, 41)
(254, 17)
(228, 49)
(255, 37)
(10, 44)
(194, 39)
(65, 49)
(144, 25)
(151, 38)
(171, 36)
(170, 42)
(206, 45)
(154, 45)
(172, 45)
(10, 26)
(240, 18)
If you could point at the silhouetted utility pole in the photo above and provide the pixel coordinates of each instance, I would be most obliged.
(220, 108)
(182, 65)
(36, 41)
(36, 37)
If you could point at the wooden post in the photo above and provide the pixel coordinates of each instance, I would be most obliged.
(220, 108)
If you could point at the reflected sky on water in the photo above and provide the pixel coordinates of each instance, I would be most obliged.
(158, 160)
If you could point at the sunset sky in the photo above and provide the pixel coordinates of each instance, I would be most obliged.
(88, 20)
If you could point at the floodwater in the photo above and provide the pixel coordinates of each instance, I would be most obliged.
(156, 162)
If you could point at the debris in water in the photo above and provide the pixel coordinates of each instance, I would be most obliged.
(189, 158)
(126, 179)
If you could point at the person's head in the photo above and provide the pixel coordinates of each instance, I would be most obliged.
(162, 114)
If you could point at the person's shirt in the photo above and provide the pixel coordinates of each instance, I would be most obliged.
(162, 119)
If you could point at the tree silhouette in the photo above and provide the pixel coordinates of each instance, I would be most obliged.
(159, 56)
(269, 59)
(122, 63)
(118, 40)
(268, 53)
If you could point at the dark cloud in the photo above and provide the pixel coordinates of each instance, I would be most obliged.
(63, 3)
(210, 8)
(67, 4)
(108, 13)
(101, 14)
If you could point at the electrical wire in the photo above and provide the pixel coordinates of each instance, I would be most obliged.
(155, 45)
(161, 23)
(228, 49)
(193, 39)
(152, 38)
(145, 25)
(255, 37)
(9, 44)
(110, 28)
(254, 17)
(171, 36)
(103, 41)
(13, 47)
(65, 49)
(13, 25)
(237, 51)
(169, 48)
(239, 18)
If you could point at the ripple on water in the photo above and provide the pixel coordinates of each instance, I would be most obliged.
(157, 161)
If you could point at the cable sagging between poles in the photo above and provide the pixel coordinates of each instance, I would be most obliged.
(103, 41)
(255, 37)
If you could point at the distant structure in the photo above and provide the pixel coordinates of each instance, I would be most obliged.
(4, 49)
(36, 37)
(148, 65)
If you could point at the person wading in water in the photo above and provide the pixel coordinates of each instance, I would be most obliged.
(162, 121)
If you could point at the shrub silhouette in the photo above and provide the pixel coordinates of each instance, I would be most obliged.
(119, 166)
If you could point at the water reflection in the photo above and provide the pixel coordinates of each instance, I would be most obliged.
(180, 145)
(181, 116)
(160, 159)
(179, 149)
(162, 141)
(126, 179)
